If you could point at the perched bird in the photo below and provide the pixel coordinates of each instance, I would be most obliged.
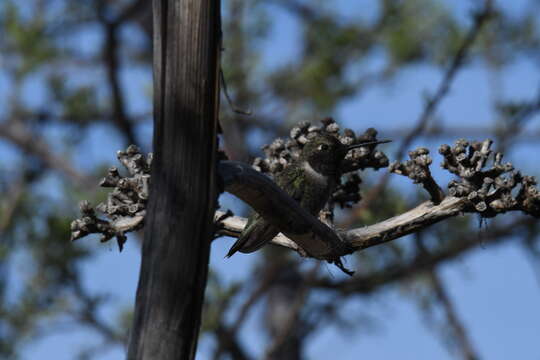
(310, 180)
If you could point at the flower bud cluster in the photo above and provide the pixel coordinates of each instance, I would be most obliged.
(125, 206)
(281, 152)
(491, 189)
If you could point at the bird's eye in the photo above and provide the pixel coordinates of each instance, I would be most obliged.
(323, 147)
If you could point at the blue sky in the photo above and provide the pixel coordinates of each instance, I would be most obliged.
(495, 289)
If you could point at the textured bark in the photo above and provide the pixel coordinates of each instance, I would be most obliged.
(179, 223)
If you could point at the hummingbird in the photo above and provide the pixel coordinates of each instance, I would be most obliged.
(310, 179)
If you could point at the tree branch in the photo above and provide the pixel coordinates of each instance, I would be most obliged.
(229, 344)
(111, 59)
(459, 330)
(480, 19)
(479, 189)
(400, 270)
(420, 217)
(485, 191)
(17, 133)
(289, 325)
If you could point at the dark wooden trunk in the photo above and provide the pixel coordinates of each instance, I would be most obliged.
(178, 227)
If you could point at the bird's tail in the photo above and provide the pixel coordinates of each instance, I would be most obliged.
(254, 237)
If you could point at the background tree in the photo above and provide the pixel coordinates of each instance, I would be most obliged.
(76, 76)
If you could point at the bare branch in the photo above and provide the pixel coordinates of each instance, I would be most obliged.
(418, 170)
(233, 107)
(112, 63)
(263, 284)
(484, 191)
(12, 201)
(88, 314)
(420, 217)
(422, 262)
(480, 19)
(459, 330)
(229, 343)
(111, 60)
(288, 326)
(479, 189)
(125, 205)
(17, 133)
(233, 226)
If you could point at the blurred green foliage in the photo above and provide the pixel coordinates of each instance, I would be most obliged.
(52, 61)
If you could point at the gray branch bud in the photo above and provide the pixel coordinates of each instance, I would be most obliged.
(488, 189)
(125, 207)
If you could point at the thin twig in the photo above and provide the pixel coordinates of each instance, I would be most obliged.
(480, 20)
(88, 314)
(395, 272)
(19, 134)
(263, 285)
(111, 59)
(228, 97)
(457, 62)
(12, 199)
(297, 304)
(228, 343)
(459, 330)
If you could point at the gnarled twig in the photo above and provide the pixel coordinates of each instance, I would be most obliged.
(483, 189)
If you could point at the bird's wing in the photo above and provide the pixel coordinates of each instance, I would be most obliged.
(258, 231)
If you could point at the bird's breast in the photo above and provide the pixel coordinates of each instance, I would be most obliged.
(317, 190)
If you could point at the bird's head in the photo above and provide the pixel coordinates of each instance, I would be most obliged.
(325, 152)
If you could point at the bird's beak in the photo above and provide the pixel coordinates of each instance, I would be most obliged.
(349, 148)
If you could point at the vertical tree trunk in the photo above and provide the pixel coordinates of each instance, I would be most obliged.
(178, 227)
